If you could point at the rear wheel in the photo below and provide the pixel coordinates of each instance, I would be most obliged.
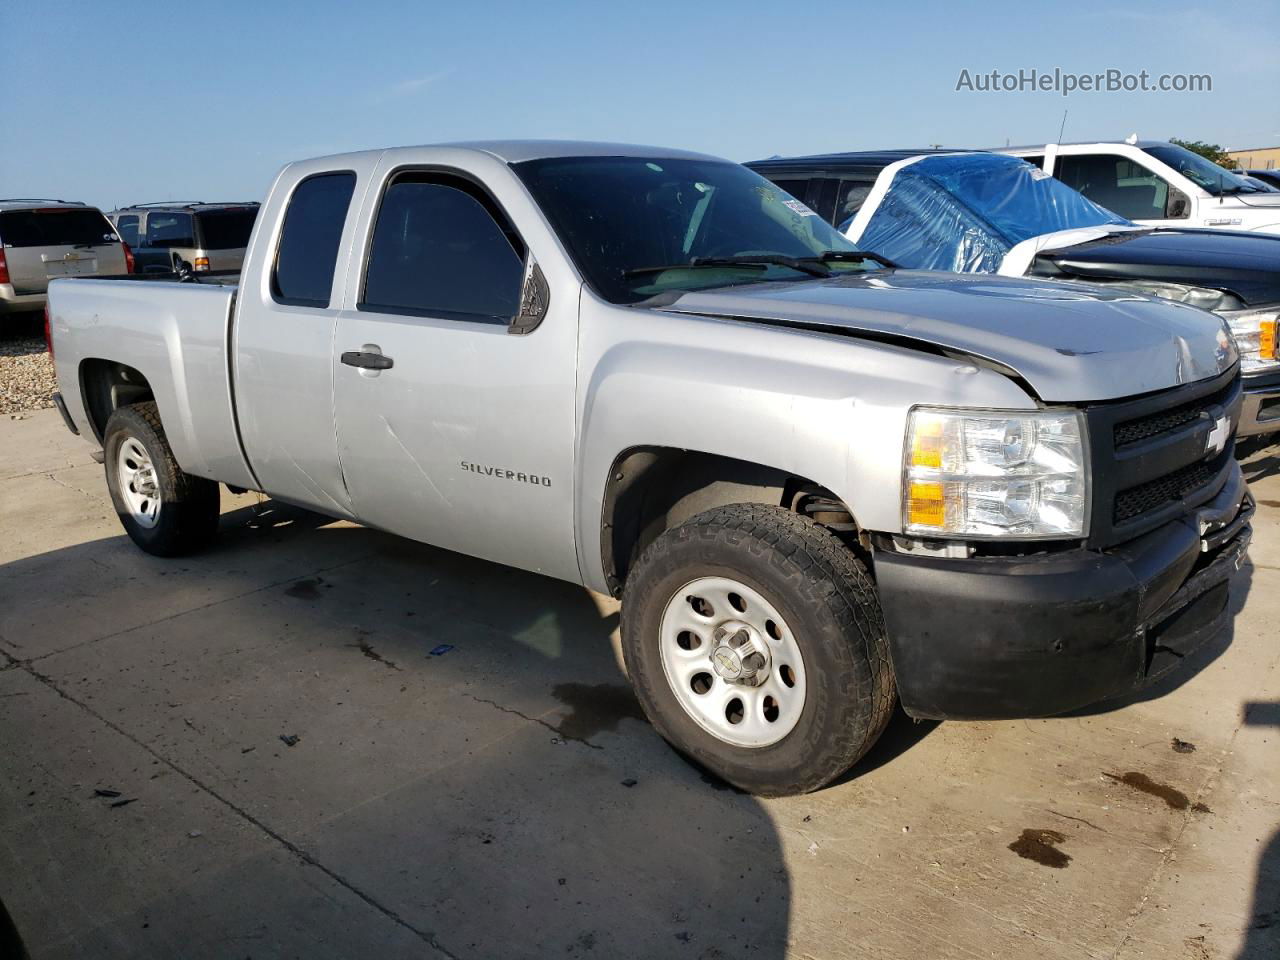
(165, 512)
(756, 644)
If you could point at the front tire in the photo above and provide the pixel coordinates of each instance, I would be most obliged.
(165, 512)
(756, 646)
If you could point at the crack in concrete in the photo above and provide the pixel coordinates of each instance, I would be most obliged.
(426, 936)
(538, 720)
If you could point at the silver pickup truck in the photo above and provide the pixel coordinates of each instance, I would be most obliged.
(818, 483)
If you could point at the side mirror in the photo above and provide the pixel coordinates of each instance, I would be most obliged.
(535, 300)
(1178, 204)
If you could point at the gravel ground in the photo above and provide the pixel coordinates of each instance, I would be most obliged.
(26, 375)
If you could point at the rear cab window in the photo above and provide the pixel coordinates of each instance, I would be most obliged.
(225, 229)
(309, 240)
(56, 227)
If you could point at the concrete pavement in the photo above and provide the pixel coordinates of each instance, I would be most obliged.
(471, 777)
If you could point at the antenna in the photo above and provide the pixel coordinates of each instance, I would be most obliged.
(1063, 127)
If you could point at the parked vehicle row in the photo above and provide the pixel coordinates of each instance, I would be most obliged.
(818, 483)
(41, 240)
(988, 213)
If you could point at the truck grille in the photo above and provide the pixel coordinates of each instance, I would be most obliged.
(1143, 428)
(1151, 456)
(1158, 493)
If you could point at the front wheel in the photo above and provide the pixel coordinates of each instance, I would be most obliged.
(165, 512)
(756, 645)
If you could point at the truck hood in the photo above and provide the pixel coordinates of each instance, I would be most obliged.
(1071, 343)
(1246, 264)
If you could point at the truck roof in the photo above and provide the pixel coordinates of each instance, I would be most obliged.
(30, 203)
(516, 151)
(869, 158)
(1039, 147)
(188, 205)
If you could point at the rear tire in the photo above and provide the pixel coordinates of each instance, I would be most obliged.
(823, 691)
(165, 512)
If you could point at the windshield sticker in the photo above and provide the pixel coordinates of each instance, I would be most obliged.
(797, 207)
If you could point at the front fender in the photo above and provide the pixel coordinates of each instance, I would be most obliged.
(825, 407)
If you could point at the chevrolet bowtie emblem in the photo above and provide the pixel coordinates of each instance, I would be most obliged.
(1218, 436)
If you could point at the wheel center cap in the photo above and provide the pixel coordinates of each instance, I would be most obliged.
(726, 662)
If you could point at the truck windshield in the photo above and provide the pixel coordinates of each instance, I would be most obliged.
(55, 227)
(1204, 173)
(637, 227)
(226, 229)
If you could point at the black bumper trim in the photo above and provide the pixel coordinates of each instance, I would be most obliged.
(66, 414)
(1005, 637)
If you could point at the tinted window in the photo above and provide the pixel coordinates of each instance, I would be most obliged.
(1116, 183)
(438, 250)
(127, 227)
(638, 227)
(170, 230)
(310, 237)
(55, 227)
(226, 229)
(798, 188)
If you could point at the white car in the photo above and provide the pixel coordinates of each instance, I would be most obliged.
(1160, 184)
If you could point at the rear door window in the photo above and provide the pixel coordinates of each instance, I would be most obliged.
(170, 230)
(442, 248)
(226, 229)
(56, 227)
(309, 239)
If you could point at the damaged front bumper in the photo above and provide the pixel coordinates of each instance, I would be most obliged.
(1032, 636)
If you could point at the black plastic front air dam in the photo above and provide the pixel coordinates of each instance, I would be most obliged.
(1005, 637)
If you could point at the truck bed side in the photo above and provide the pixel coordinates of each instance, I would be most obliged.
(175, 335)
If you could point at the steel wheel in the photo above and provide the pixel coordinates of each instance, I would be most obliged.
(732, 662)
(136, 479)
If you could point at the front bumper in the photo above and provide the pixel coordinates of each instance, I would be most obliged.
(1260, 412)
(1031, 636)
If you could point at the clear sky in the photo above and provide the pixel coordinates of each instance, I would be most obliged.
(119, 102)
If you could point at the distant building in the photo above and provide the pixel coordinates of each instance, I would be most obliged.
(1261, 158)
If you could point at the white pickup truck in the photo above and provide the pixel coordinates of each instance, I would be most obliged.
(817, 483)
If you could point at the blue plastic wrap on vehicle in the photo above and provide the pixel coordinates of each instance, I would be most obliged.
(964, 212)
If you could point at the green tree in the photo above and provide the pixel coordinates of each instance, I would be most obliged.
(1210, 151)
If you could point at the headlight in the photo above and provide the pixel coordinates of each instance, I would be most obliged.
(995, 474)
(1255, 335)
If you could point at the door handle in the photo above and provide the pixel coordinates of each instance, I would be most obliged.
(367, 360)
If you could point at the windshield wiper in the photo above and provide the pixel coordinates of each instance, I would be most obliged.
(853, 256)
(810, 265)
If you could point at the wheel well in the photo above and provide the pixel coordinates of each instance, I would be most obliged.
(107, 385)
(652, 489)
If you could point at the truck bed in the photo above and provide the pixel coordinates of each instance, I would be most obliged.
(177, 336)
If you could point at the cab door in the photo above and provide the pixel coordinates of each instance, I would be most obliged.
(454, 428)
(286, 312)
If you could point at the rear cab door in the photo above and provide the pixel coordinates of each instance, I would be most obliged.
(282, 340)
(455, 426)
